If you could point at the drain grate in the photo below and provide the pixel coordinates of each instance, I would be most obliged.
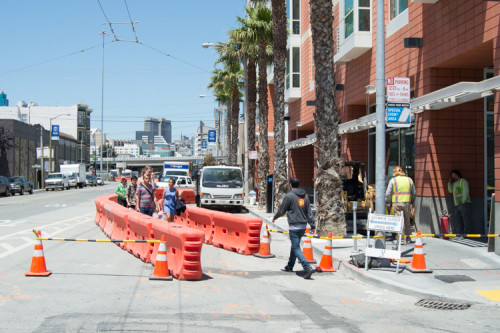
(442, 305)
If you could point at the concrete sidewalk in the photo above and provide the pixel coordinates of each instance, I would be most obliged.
(462, 269)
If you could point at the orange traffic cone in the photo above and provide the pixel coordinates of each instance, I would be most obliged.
(38, 267)
(418, 261)
(307, 249)
(265, 245)
(326, 263)
(161, 267)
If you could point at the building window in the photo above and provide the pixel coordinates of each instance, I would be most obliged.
(397, 7)
(349, 18)
(296, 17)
(294, 65)
(81, 118)
(364, 15)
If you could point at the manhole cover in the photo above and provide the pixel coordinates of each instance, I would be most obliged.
(442, 305)
(453, 278)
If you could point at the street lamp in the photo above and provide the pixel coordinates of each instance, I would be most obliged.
(103, 34)
(50, 141)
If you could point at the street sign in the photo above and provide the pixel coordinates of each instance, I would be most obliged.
(398, 114)
(389, 223)
(204, 145)
(212, 137)
(36, 166)
(398, 89)
(55, 132)
(252, 155)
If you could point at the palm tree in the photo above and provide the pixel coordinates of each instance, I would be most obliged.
(226, 84)
(279, 49)
(330, 213)
(259, 23)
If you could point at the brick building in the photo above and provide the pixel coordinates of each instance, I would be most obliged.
(450, 51)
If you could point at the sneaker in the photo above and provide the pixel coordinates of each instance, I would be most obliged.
(287, 269)
(309, 272)
(408, 240)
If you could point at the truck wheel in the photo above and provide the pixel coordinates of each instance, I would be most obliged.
(31, 190)
(22, 192)
(238, 209)
(47, 189)
(62, 188)
(7, 193)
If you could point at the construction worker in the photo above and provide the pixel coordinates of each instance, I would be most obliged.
(461, 199)
(400, 194)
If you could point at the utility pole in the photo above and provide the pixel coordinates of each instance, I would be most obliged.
(380, 105)
(103, 34)
(41, 158)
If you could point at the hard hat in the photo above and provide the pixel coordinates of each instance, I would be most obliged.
(397, 171)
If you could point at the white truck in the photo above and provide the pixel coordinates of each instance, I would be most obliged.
(220, 186)
(78, 170)
(176, 169)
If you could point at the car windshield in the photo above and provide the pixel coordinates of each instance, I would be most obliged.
(55, 176)
(166, 179)
(14, 179)
(71, 177)
(222, 177)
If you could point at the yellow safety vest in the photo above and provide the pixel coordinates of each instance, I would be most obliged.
(460, 192)
(401, 189)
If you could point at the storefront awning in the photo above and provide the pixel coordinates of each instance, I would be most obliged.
(458, 93)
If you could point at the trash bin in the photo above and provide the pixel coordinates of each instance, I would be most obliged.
(251, 197)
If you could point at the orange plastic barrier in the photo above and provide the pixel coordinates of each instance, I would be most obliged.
(109, 224)
(236, 233)
(140, 229)
(122, 229)
(98, 211)
(201, 219)
(184, 249)
(187, 194)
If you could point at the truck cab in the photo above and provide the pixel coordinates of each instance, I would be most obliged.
(220, 187)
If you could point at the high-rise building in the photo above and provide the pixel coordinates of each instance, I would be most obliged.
(159, 126)
(3, 99)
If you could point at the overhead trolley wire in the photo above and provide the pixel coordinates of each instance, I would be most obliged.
(131, 22)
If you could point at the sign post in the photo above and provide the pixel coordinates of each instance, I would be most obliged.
(384, 223)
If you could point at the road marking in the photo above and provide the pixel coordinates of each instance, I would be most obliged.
(11, 223)
(57, 205)
(475, 263)
(49, 230)
(492, 295)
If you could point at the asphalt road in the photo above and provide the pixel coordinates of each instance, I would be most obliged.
(97, 287)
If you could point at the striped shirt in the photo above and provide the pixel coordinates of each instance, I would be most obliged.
(145, 198)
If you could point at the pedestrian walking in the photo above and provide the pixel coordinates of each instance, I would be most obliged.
(121, 190)
(147, 171)
(400, 194)
(131, 192)
(459, 186)
(145, 197)
(170, 197)
(296, 205)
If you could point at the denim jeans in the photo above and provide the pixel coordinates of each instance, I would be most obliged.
(147, 210)
(295, 251)
(463, 223)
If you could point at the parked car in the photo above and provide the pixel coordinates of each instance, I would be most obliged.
(4, 186)
(56, 180)
(91, 180)
(73, 182)
(180, 182)
(100, 181)
(20, 185)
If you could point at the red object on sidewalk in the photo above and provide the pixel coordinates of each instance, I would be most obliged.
(444, 225)
(38, 267)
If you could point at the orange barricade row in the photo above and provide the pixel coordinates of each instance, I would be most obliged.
(98, 211)
(187, 194)
(109, 225)
(236, 233)
(140, 229)
(121, 229)
(201, 219)
(184, 249)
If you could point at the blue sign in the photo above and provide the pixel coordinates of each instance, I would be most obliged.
(55, 132)
(398, 115)
(204, 145)
(212, 136)
(176, 166)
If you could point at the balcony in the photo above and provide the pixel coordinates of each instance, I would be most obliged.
(354, 33)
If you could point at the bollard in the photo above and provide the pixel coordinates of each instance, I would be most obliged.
(354, 226)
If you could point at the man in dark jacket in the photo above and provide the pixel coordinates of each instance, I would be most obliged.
(296, 204)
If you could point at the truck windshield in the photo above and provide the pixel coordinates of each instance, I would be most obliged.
(175, 173)
(55, 176)
(217, 177)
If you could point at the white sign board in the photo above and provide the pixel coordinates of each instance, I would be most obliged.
(45, 153)
(252, 155)
(388, 223)
(398, 90)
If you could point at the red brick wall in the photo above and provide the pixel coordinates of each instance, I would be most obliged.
(496, 57)
(301, 165)
(354, 146)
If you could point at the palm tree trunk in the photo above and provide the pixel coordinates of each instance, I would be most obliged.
(279, 48)
(228, 133)
(234, 125)
(263, 124)
(330, 213)
(251, 108)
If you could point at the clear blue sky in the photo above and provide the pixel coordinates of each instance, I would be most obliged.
(39, 36)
